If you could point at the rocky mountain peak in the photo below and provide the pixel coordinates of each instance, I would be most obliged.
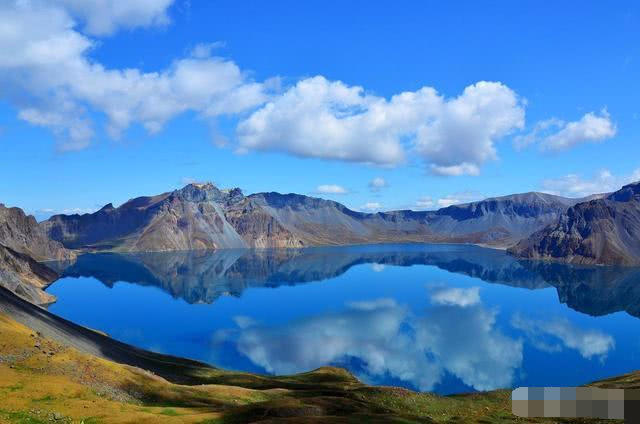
(200, 192)
(627, 193)
(107, 207)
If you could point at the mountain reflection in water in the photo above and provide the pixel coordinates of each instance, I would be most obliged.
(204, 276)
(448, 318)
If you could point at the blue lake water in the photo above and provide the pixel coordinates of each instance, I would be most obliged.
(444, 318)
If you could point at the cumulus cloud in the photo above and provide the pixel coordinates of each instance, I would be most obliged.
(429, 203)
(331, 189)
(555, 334)
(46, 73)
(464, 168)
(389, 341)
(556, 135)
(457, 198)
(104, 17)
(377, 184)
(371, 207)
(573, 185)
(332, 120)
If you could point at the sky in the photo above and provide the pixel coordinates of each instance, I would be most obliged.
(378, 105)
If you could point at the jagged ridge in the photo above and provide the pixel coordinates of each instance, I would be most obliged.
(201, 216)
(600, 231)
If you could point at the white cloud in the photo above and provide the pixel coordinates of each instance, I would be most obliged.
(546, 333)
(455, 296)
(204, 50)
(331, 120)
(556, 135)
(461, 135)
(371, 207)
(331, 189)
(573, 185)
(46, 74)
(457, 198)
(524, 140)
(425, 202)
(464, 168)
(104, 17)
(429, 203)
(377, 184)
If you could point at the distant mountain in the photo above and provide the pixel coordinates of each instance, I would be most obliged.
(25, 277)
(22, 233)
(500, 221)
(201, 216)
(600, 231)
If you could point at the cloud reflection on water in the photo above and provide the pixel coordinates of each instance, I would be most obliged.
(389, 340)
(552, 335)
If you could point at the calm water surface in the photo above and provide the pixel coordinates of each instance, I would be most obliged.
(446, 318)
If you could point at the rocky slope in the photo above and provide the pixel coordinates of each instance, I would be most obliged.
(501, 220)
(25, 277)
(600, 231)
(22, 233)
(200, 216)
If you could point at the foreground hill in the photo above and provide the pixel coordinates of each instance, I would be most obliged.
(54, 371)
(22, 233)
(201, 216)
(600, 231)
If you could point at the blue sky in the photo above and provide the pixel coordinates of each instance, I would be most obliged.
(105, 101)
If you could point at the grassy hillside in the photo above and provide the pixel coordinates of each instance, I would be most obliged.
(44, 381)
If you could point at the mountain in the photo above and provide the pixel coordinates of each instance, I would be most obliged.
(600, 231)
(499, 221)
(201, 216)
(22, 233)
(25, 277)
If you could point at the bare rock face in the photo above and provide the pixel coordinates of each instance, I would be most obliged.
(25, 277)
(500, 221)
(191, 218)
(258, 228)
(600, 231)
(201, 216)
(22, 233)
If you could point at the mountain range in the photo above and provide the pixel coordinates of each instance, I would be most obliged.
(599, 229)
(201, 216)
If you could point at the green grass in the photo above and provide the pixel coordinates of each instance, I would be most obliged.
(90, 420)
(20, 417)
(169, 412)
(14, 388)
(47, 398)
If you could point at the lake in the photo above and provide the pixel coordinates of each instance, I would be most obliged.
(443, 318)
